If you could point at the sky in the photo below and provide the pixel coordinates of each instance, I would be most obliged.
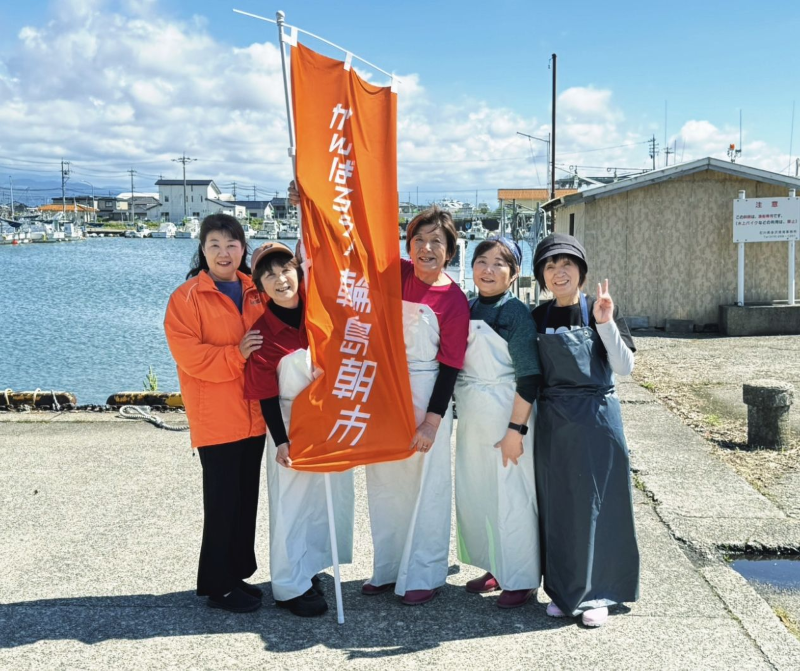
(114, 85)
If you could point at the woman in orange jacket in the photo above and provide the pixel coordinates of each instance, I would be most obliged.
(208, 327)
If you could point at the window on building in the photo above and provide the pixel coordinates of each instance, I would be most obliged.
(109, 203)
(166, 199)
(192, 198)
(201, 199)
(196, 214)
(572, 224)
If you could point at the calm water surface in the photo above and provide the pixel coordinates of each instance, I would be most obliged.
(87, 317)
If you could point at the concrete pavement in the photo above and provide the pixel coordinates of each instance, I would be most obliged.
(101, 519)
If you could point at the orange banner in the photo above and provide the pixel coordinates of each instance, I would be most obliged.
(360, 410)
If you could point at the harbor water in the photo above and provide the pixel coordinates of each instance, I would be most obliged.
(87, 317)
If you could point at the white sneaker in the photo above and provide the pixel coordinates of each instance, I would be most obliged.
(595, 618)
(554, 611)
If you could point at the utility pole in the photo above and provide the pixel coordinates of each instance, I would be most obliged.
(133, 217)
(653, 150)
(667, 152)
(254, 191)
(64, 176)
(184, 160)
(11, 182)
(234, 190)
(553, 139)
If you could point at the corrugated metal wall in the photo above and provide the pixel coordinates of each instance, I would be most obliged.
(668, 252)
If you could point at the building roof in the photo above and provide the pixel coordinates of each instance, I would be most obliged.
(137, 194)
(70, 208)
(674, 172)
(253, 203)
(540, 195)
(189, 182)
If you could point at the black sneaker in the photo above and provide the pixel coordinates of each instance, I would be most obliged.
(310, 604)
(252, 590)
(235, 602)
(316, 585)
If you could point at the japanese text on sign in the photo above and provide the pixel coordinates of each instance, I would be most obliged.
(766, 219)
(356, 375)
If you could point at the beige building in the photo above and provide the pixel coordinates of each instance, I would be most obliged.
(665, 239)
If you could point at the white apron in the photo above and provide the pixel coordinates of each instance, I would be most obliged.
(299, 540)
(496, 510)
(409, 500)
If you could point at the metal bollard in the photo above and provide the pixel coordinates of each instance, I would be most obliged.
(768, 403)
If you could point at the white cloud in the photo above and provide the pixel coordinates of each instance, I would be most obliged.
(699, 138)
(108, 90)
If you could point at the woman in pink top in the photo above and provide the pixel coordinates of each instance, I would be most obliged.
(409, 500)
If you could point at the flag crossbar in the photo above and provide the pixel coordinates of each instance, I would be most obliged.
(292, 39)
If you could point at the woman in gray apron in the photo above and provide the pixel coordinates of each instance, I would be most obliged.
(590, 558)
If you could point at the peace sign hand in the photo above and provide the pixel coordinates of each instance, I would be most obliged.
(603, 306)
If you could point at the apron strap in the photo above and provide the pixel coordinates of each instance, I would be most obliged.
(584, 313)
(497, 316)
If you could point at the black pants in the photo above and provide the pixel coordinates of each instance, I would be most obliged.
(231, 476)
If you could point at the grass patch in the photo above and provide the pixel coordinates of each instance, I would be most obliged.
(648, 385)
(638, 483)
(788, 621)
(713, 420)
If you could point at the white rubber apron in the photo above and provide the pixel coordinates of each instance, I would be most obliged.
(299, 540)
(496, 510)
(409, 500)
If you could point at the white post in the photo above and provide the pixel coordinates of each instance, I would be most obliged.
(740, 272)
(280, 20)
(280, 16)
(337, 581)
(791, 272)
(792, 193)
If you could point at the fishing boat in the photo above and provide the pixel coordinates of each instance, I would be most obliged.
(476, 231)
(270, 230)
(190, 229)
(249, 231)
(141, 231)
(72, 231)
(289, 230)
(165, 230)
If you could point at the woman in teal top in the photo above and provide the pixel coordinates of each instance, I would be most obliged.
(495, 484)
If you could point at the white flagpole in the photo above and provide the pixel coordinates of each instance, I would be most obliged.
(337, 581)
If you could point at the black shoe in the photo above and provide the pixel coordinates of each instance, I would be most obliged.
(310, 604)
(235, 602)
(316, 585)
(251, 590)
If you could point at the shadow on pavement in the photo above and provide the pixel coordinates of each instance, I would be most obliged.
(375, 627)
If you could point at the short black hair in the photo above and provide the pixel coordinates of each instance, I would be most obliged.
(505, 253)
(269, 261)
(218, 222)
(539, 270)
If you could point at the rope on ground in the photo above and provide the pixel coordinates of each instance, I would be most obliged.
(143, 412)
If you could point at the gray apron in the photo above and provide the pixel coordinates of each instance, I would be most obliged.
(590, 558)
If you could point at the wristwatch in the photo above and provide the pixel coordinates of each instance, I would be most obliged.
(522, 428)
